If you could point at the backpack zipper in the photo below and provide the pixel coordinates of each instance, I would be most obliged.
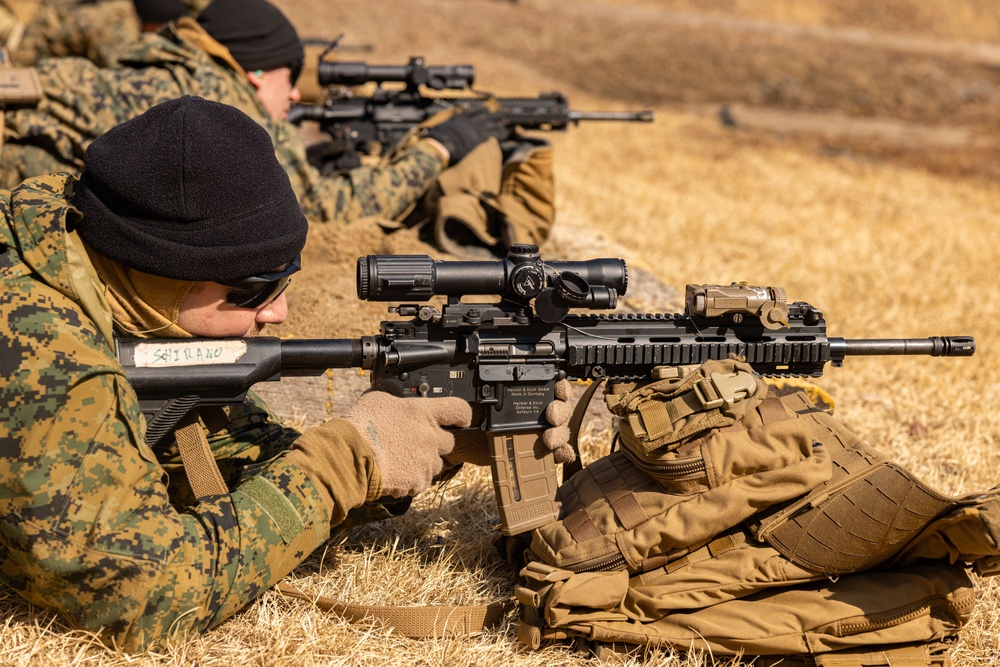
(597, 564)
(687, 467)
(608, 564)
(908, 614)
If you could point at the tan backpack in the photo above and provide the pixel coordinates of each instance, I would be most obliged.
(698, 456)
(741, 522)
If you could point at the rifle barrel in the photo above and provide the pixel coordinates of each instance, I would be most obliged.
(626, 116)
(935, 346)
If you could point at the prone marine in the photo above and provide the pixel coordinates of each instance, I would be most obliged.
(244, 53)
(158, 238)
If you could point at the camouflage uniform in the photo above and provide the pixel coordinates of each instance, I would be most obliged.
(89, 525)
(83, 101)
(97, 30)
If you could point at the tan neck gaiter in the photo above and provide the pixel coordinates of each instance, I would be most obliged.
(142, 305)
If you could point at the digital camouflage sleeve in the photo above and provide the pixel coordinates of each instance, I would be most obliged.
(89, 525)
(82, 101)
(94, 29)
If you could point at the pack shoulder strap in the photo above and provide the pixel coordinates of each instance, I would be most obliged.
(414, 622)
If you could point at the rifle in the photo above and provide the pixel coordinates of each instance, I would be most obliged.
(375, 124)
(507, 355)
(335, 44)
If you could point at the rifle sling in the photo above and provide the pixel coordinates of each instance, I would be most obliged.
(414, 622)
(199, 463)
(575, 422)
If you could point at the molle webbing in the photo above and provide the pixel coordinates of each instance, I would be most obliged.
(863, 515)
(771, 410)
(618, 494)
(658, 566)
(577, 521)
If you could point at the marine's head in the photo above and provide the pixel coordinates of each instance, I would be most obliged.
(193, 223)
(265, 44)
(154, 13)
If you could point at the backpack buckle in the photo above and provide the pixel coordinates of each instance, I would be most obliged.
(988, 566)
(723, 390)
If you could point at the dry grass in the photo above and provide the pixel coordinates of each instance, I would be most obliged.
(885, 249)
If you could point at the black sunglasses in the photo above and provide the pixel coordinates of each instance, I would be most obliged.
(259, 290)
(296, 71)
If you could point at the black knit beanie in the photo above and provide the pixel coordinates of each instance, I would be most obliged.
(255, 32)
(160, 11)
(189, 190)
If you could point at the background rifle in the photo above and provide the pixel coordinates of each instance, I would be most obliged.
(360, 125)
(508, 355)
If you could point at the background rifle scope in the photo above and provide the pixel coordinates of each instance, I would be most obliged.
(413, 74)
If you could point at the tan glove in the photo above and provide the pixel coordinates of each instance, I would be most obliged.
(406, 436)
(473, 445)
(340, 463)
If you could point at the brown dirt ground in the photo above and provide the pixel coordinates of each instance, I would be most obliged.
(892, 60)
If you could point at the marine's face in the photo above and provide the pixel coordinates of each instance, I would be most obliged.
(205, 312)
(276, 90)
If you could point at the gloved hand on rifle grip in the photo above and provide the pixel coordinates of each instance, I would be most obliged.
(407, 436)
(462, 133)
(558, 413)
(472, 445)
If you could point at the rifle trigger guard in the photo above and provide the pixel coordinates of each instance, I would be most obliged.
(728, 388)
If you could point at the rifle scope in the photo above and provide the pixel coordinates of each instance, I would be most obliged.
(413, 74)
(519, 277)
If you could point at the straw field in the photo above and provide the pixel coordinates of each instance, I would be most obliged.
(857, 172)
